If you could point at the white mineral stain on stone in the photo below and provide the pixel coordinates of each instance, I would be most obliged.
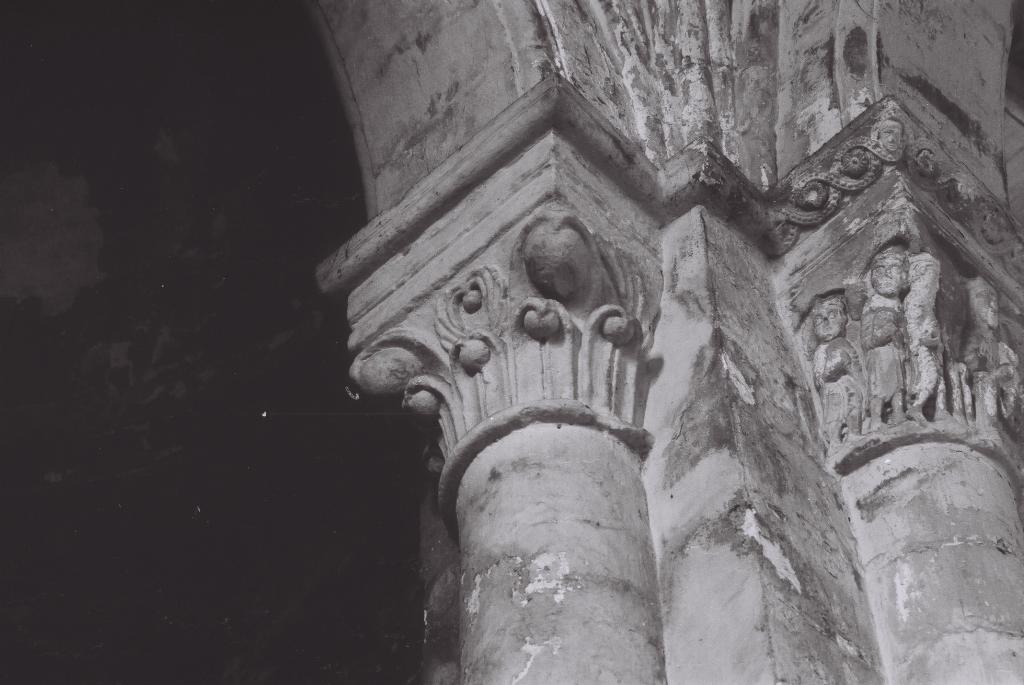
(956, 542)
(736, 377)
(771, 550)
(533, 651)
(473, 604)
(903, 580)
(547, 574)
(561, 61)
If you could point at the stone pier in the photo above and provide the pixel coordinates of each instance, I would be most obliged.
(717, 309)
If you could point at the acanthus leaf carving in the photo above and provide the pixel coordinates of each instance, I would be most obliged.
(550, 347)
(386, 366)
(574, 332)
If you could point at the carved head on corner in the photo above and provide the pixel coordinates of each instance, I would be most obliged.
(888, 273)
(888, 133)
(829, 317)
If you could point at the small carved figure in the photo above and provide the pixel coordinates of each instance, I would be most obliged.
(993, 365)
(837, 371)
(882, 337)
(925, 378)
(888, 140)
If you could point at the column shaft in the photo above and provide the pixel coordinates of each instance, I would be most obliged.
(941, 543)
(558, 580)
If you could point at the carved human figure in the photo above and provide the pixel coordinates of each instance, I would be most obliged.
(882, 337)
(991, 362)
(925, 379)
(837, 371)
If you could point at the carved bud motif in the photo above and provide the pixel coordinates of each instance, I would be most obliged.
(422, 402)
(541, 320)
(472, 300)
(618, 330)
(472, 354)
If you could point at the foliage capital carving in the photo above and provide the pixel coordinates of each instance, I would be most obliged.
(565, 326)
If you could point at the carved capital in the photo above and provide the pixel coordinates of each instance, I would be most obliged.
(906, 335)
(558, 333)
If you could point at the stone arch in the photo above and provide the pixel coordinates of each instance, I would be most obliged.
(420, 80)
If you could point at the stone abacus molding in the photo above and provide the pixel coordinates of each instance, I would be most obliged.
(883, 138)
(802, 201)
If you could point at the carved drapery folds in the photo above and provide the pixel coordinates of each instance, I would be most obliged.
(889, 356)
(556, 336)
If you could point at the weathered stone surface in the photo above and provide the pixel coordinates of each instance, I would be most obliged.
(931, 477)
(558, 577)
(419, 81)
(839, 282)
(940, 538)
(736, 493)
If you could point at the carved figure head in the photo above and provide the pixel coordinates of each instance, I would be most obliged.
(889, 271)
(984, 303)
(829, 317)
(889, 134)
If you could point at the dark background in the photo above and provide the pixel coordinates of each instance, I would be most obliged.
(171, 173)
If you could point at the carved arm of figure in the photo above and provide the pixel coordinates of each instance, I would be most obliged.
(838, 360)
(881, 327)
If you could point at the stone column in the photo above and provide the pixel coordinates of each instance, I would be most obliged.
(585, 208)
(534, 366)
(558, 573)
(942, 547)
(910, 324)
